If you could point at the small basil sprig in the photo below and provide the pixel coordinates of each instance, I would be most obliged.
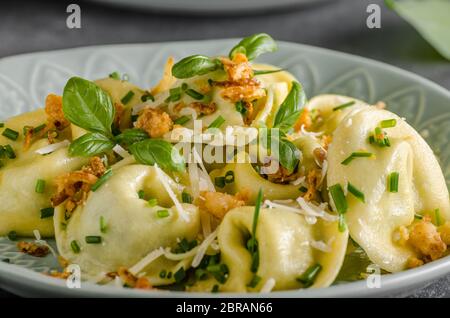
(88, 106)
(90, 144)
(290, 109)
(286, 153)
(161, 152)
(131, 136)
(195, 65)
(255, 45)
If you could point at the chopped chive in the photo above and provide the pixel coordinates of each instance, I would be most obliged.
(134, 118)
(47, 212)
(215, 289)
(152, 202)
(303, 189)
(393, 182)
(75, 246)
(141, 194)
(386, 142)
(229, 177)
(437, 217)
(254, 282)
(174, 95)
(40, 186)
(358, 194)
(186, 197)
(371, 139)
(92, 239)
(2, 125)
(342, 226)
(181, 120)
(128, 96)
(201, 274)
(194, 94)
(115, 75)
(163, 273)
(252, 243)
(342, 106)
(418, 216)
(10, 134)
(219, 182)
(219, 271)
(184, 86)
(2, 151)
(217, 122)
(9, 151)
(103, 225)
(240, 107)
(147, 96)
(162, 213)
(102, 180)
(388, 123)
(262, 72)
(12, 235)
(255, 219)
(210, 82)
(337, 194)
(169, 275)
(358, 154)
(308, 277)
(39, 128)
(179, 275)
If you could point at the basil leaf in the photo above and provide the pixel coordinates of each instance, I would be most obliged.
(290, 109)
(161, 152)
(286, 153)
(289, 155)
(255, 45)
(131, 136)
(88, 106)
(90, 144)
(195, 65)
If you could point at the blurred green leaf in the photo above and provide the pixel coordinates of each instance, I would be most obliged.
(431, 18)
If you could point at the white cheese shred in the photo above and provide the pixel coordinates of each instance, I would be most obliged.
(118, 149)
(143, 263)
(268, 286)
(203, 248)
(39, 240)
(164, 179)
(52, 147)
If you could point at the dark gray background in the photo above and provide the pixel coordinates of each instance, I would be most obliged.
(29, 26)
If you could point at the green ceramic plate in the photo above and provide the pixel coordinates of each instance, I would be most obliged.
(25, 80)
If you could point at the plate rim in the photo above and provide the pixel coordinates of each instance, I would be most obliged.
(20, 277)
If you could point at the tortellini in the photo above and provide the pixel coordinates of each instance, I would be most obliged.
(21, 204)
(284, 245)
(132, 228)
(421, 186)
(248, 181)
(325, 109)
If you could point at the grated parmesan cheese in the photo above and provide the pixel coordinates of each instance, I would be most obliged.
(39, 240)
(118, 149)
(52, 147)
(203, 247)
(143, 263)
(318, 211)
(268, 286)
(164, 179)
